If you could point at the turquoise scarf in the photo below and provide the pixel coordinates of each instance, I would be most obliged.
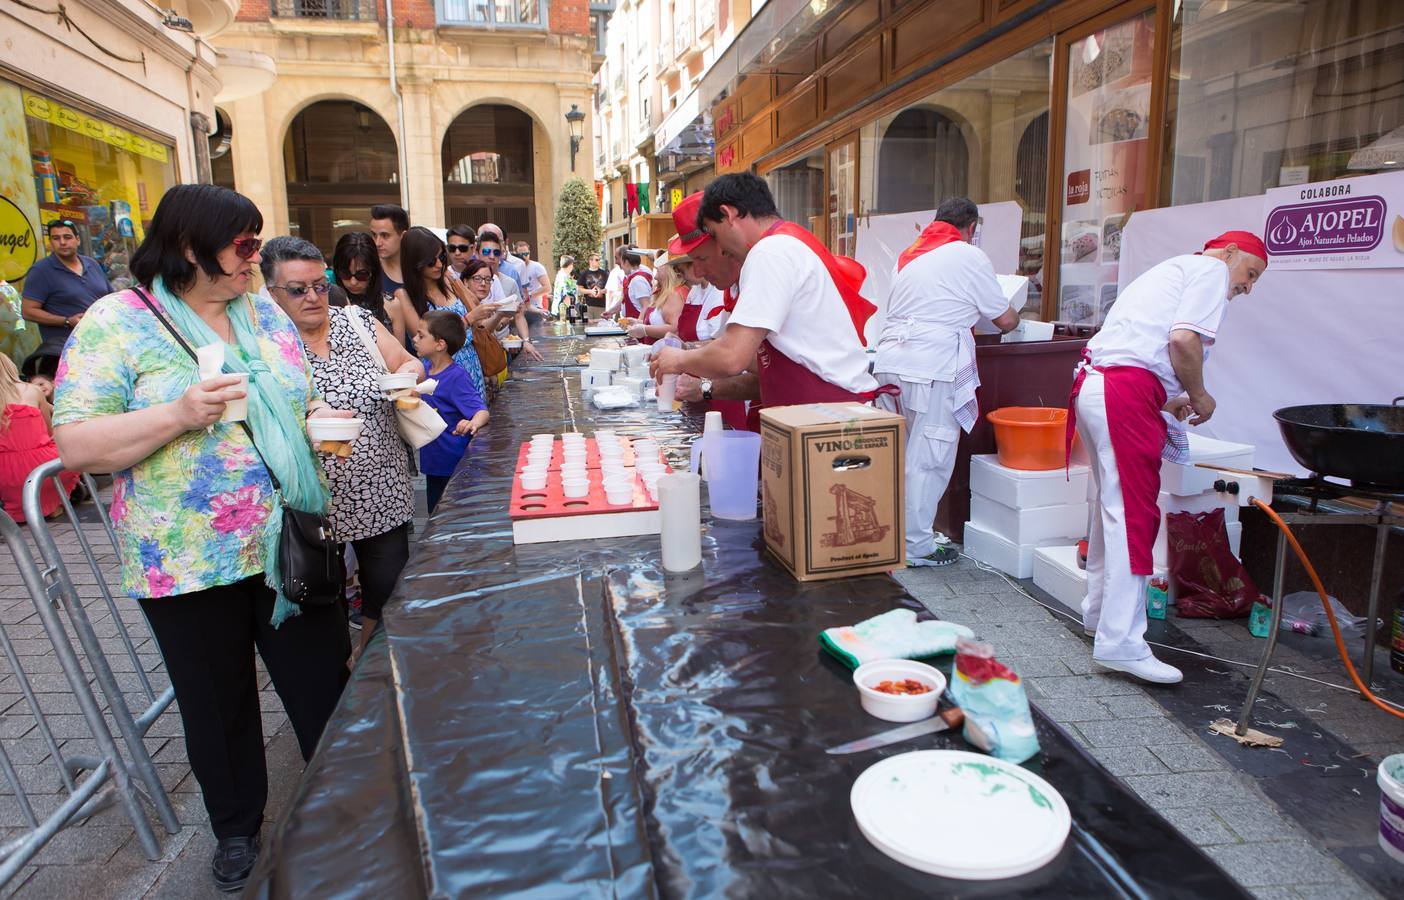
(280, 437)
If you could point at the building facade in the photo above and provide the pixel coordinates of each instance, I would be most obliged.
(1061, 117)
(104, 105)
(455, 109)
(653, 143)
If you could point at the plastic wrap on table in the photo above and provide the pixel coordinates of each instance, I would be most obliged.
(568, 721)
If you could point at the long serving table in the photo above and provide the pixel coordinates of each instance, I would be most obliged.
(565, 720)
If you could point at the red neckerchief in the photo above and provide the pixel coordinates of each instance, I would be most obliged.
(860, 309)
(728, 304)
(937, 234)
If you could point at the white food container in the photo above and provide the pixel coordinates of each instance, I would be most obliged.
(898, 707)
(395, 381)
(343, 430)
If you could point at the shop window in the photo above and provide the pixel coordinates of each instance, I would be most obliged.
(1264, 94)
(340, 159)
(924, 159)
(799, 191)
(986, 138)
(1105, 153)
(104, 178)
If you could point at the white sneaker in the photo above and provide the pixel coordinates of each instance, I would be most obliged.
(1148, 669)
(940, 539)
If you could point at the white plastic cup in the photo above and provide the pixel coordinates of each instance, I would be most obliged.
(573, 437)
(533, 481)
(543, 438)
(237, 410)
(619, 496)
(667, 390)
(576, 488)
(679, 506)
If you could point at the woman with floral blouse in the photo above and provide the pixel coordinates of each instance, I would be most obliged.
(193, 504)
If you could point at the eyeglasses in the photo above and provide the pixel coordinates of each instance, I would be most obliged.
(297, 291)
(460, 248)
(245, 248)
(489, 251)
(442, 259)
(358, 275)
(481, 279)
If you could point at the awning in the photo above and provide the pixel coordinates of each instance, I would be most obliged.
(687, 112)
(780, 26)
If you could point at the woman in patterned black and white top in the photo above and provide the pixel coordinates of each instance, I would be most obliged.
(372, 495)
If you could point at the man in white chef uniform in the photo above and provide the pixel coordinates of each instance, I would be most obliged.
(1148, 359)
(943, 286)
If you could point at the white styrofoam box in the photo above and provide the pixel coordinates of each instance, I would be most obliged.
(1188, 479)
(1028, 330)
(594, 379)
(1022, 489)
(630, 384)
(1029, 524)
(993, 550)
(605, 359)
(1055, 571)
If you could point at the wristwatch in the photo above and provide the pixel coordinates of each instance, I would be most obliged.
(707, 389)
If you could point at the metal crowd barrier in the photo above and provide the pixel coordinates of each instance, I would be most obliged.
(54, 588)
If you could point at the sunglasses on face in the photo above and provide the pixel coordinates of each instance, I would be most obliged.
(245, 248)
(460, 248)
(489, 251)
(358, 275)
(298, 291)
(442, 259)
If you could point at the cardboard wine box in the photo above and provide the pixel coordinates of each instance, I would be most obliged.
(832, 489)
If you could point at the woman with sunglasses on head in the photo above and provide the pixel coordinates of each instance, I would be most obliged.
(660, 318)
(197, 517)
(356, 265)
(424, 263)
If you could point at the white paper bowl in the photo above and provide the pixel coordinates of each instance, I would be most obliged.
(575, 489)
(898, 707)
(622, 497)
(533, 481)
(394, 381)
(335, 429)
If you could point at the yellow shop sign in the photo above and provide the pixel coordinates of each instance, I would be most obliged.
(39, 107)
(19, 246)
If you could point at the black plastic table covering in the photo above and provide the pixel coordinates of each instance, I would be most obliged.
(567, 720)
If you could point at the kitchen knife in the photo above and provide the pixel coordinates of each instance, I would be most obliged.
(946, 718)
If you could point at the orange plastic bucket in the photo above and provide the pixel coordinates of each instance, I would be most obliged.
(1030, 437)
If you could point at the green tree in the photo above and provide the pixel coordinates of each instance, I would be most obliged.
(578, 229)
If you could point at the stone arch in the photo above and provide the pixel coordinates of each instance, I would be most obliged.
(340, 157)
(924, 156)
(494, 159)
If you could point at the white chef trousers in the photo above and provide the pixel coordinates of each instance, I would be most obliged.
(1115, 605)
(932, 437)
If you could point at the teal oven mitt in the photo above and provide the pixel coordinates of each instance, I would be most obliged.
(892, 635)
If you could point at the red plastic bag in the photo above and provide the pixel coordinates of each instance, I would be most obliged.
(1210, 582)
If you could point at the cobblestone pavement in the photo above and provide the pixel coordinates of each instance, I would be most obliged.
(1126, 727)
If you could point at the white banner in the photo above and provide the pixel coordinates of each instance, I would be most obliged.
(1300, 337)
(1352, 223)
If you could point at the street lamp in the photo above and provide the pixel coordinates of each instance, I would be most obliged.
(576, 120)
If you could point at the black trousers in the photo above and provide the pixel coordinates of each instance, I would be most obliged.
(434, 489)
(379, 560)
(207, 639)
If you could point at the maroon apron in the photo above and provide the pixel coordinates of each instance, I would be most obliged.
(630, 309)
(687, 323)
(1134, 399)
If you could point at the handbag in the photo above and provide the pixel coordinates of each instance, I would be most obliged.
(418, 425)
(492, 356)
(312, 564)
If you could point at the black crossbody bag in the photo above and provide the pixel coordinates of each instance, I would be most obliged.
(313, 569)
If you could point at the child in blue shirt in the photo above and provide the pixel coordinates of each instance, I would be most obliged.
(441, 334)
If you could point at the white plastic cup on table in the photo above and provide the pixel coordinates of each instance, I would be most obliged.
(680, 507)
(237, 410)
(711, 424)
(667, 392)
(576, 488)
(533, 481)
(619, 496)
(544, 438)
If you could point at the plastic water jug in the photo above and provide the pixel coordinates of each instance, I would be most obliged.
(733, 471)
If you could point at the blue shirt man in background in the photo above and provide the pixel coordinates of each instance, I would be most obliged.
(60, 287)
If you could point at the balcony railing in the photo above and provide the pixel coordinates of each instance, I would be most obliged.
(492, 13)
(340, 10)
(706, 15)
(682, 35)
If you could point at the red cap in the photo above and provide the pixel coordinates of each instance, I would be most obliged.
(687, 220)
(1247, 241)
